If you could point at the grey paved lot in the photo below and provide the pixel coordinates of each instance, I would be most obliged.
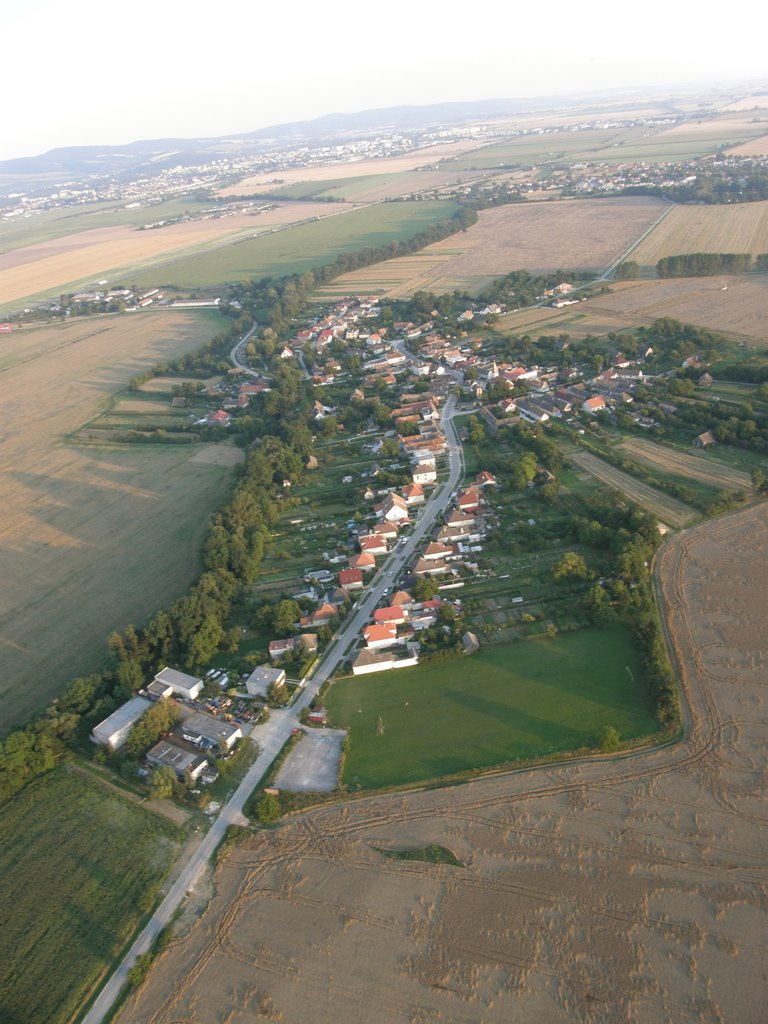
(313, 765)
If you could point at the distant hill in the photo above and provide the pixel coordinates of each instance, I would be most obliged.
(131, 158)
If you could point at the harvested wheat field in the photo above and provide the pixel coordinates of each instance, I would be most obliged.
(734, 306)
(91, 538)
(740, 227)
(102, 252)
(619, 889)
(669, 510)
(755, 147)
(571, 234)
(706, 469)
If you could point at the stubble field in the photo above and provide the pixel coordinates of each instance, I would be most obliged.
(629, 888)
(735, 228)
(91, 538)
(569, 234)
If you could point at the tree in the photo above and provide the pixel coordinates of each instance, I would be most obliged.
(284, 615)
(424, 589)
(629, 270)
(571, 567)
(759, 480)
(161, 783)
(608, 739)
(268, 809)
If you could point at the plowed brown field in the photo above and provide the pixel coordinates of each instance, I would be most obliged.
(619, 889)
(708, 469)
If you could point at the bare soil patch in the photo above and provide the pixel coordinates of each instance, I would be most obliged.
(219, 455)
(616, 889)
(91, 538)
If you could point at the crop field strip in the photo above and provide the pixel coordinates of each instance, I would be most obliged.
(655, 860)
(67, 262)
(303, 246)
(708, 470)
(91, 537)
(71, 896)
(573, 234)
(669, 510)
(729, 228)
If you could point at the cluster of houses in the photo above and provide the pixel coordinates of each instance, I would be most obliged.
(390, 640)
(197, 737)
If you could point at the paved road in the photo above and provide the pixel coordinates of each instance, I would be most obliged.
(273, 735)
(236, 354)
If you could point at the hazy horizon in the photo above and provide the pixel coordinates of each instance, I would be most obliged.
(98, 76)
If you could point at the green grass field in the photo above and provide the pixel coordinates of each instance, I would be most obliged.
(70, 897)
(522, 701)
(299, 248)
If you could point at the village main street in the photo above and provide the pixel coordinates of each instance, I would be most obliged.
(273, 735)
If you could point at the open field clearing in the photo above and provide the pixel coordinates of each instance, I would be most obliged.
(669, 510)
(707, 469)
(618, 889)
(508, 703)
(71, 896)
(755, 147)
(373, 188)
(91, 538)
(573, 234)
(757, 101)
(739, 227)
(303, 246)
(70, 220)
(76, 260)
(537, 148)
(355, 169)
(736, 306)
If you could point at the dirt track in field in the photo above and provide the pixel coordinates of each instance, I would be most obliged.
(625, 889)
(669, 510)
(707, 469)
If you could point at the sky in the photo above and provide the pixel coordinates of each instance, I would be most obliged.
(93, 73)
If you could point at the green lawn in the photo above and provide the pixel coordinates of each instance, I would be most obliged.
(76, 865)
(526, 700)
(299, 248)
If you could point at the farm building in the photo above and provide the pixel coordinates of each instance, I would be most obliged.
(186, 763)
(279, 648)
(704, 440)
(173, 681)
(379, 661)
(201, 729)
(113, 731)
(259, 681)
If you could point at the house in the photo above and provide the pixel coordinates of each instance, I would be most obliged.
(594, 405)
(372, 544)
(220, 418)
(114, 730)
(468, 500)
(187, 764)
(259, 681)
(435, 551)
(485, 479)
(280, 648)
(704, 440)
(393, 614)
(393, 509)
(425, 567)
(180, 683)
(320, 617)
(706, 380)
(203, 730)
(380, 661)
(351, 579)
(401, 599)
(425, 473)
(380, 635)
(413, 494)
(387, 530)
(364, 561)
